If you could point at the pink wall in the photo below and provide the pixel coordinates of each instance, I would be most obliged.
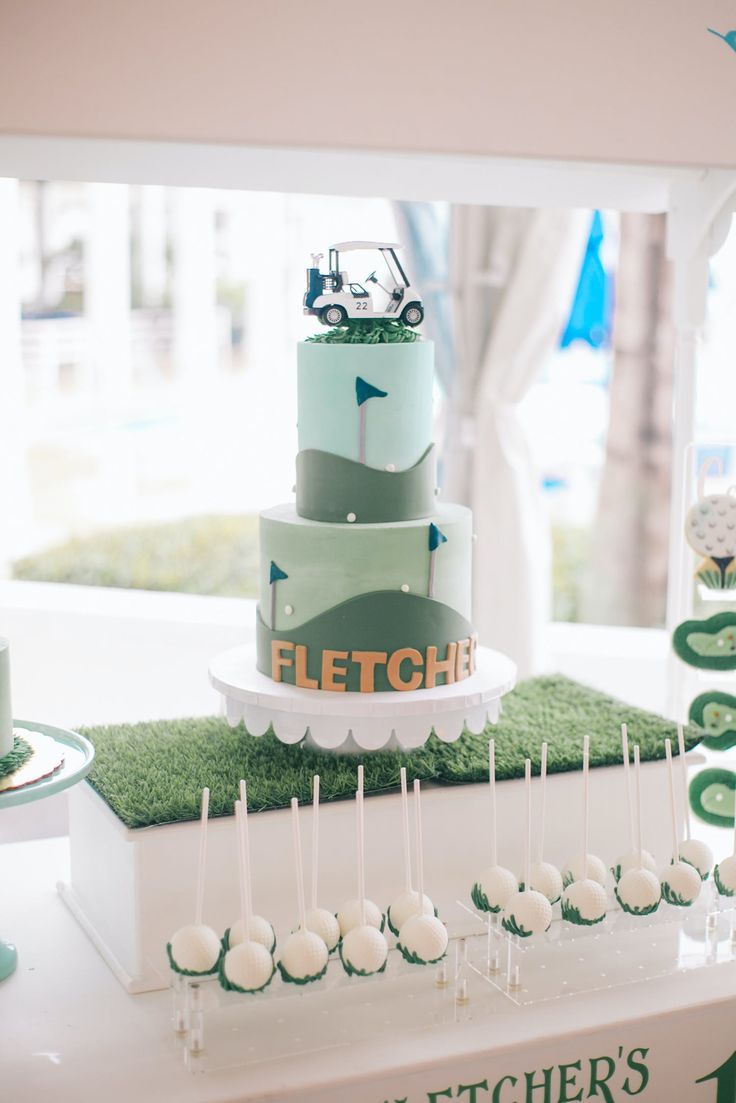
(620, 80)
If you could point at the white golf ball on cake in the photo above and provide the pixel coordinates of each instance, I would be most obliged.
(584, 903)
(423, 939)
(638, 891)
(303, 958)
(681, 884)
(195, 949)
(325, 925)
(527, 913)
(724, 876)
(260, 931)
(249, 967)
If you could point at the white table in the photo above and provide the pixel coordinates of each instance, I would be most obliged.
(70, 1033)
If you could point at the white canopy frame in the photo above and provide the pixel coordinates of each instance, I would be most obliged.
(698, 203)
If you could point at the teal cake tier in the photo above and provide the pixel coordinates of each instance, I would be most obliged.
(372, 643)
(389, 412)
(331, 488)
(309, 567)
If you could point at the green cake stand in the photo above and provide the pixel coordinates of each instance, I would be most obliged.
(78, 758)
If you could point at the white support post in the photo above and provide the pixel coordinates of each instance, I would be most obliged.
(194, 284)
(14, 480)
(698, 221)
(107, 286)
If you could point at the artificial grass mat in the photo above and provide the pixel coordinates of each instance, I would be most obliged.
(153, 773)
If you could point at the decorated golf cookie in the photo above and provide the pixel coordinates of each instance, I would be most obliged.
(543, 876)
(715, 713)
(408, 902)
(680, 882)
(363, 950)
(304, 955)
(708, 644)
(633, 858)
(495, 885)
(693, 851)
(713, 796)
(422, 937)
(195, 950)
(638, 890)
(710, 530)
(247, 966)
(584, 900)
(319, 920)
(527, 911)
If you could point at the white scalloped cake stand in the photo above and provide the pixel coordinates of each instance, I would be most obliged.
(360, 721)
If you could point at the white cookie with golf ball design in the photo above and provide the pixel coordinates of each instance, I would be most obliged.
(710, 526)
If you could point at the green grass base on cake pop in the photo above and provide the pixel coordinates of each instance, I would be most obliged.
(154, 773)
(17, 757)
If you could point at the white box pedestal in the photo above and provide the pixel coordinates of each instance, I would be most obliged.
(131, 890)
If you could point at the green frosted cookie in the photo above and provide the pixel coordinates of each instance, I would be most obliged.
(715, 713)
(709, 644)
(713, 796)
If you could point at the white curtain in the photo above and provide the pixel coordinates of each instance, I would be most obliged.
(513, 274)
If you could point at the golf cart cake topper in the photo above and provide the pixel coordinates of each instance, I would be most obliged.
(334, 298)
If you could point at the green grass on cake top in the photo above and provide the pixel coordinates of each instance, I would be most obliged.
(359, 331)
(154, 773)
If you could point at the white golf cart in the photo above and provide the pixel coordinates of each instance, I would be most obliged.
(334, 299)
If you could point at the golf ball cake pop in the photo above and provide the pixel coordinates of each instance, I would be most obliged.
(693, 851)
(195, 950)
(260, 929)
(304, 955)
(632, 858)
(422, 937)
(585, 867)
(638, 890)
(364, 950)
(495, 885)
(527, 912)
(680, 882)
(248, 966)
(319, 920)
(724, 874)
(543, 876)
(584, 900)
(360, 911)
(408, 902)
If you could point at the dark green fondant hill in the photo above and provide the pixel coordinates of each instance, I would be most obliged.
(329, 487)
(385, 620)
(154, 773)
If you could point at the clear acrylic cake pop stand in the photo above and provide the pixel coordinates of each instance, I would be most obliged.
(484, 969)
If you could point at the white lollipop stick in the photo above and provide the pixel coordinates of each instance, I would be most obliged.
(712, 462)
(360, 779)
(542, 800)
(246, 843)
(315, 838)
(528, 835)
(361, 855)
(420, 844)
(627, 774)
(586, 800)
(405, 827)
(637, 785)
(683, 777)
(673, 806)
(204, 813)
(492, 787)
(298, 863)
(245, 909)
